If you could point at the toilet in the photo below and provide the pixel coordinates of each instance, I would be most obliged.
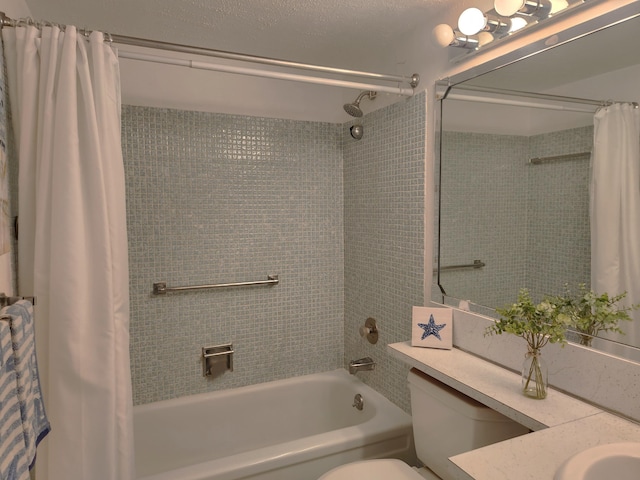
(445, 423)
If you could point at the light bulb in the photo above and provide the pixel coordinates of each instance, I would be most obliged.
(443, 35)
(536, 8)
(471, 21)
(484, 38)
(557, 5)
(506, 8)
(517, 23)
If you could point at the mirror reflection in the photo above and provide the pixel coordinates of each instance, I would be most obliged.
(518, 207)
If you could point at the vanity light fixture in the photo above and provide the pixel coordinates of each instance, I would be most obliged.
(476, 28)
(538, 8)
(472, 21)
(446, 36)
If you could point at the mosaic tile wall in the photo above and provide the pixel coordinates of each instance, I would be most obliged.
(384, 237)
(559, 213)
(481, 218)
(528, 223)
(217, 198)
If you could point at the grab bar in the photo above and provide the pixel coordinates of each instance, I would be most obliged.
(160, 288)
(475, 265)
(557, 158)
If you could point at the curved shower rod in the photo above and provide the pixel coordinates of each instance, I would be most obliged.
(412, 80)
(403, 91)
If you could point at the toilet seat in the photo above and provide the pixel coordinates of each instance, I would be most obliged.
(383, 469)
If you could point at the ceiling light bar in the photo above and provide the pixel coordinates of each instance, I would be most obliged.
(476, 28)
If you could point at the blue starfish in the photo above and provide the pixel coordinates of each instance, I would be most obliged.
(431, 328)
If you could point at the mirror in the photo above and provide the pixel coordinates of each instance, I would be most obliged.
(514, 172)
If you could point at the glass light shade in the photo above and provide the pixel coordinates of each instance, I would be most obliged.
(471, 21)
(506, 8)
(484, 38)
(517, 23)
(558, 5)
(443, 35)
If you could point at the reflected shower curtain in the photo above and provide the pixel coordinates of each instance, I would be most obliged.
(615, 210)
(65, 101)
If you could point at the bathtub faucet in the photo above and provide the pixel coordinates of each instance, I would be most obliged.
(365, 363)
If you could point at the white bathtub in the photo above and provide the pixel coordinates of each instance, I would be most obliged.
(294, 429)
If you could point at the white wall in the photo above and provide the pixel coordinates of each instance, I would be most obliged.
(15, 8)
(156, 85)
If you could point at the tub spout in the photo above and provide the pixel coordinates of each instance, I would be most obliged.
(365, 363)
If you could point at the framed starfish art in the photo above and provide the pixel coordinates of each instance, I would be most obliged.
(432, 327)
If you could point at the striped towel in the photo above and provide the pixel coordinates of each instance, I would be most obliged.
(13, 456)
(34, 419)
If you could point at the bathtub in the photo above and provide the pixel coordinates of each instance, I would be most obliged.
(293, 429)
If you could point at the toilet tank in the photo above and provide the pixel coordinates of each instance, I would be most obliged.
(447, 422)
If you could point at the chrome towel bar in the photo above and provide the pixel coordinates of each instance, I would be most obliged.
(161, 288)
(5, 301)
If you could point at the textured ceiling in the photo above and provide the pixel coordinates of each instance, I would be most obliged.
(302, 30)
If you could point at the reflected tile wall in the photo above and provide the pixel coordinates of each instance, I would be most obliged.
(528, 223)
(559, 237)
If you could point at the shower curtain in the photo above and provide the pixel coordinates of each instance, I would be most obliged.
(615, 211)
(65, 102)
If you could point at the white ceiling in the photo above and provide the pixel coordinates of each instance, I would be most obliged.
(311, 31)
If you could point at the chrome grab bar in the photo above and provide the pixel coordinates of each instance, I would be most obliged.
(475, 265)
(160, 288)
(557, 158)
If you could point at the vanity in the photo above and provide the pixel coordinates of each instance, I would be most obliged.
(561, 425)
(491, 138)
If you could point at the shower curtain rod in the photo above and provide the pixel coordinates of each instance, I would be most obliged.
(412, 80)
(537, 96)
(516, 103)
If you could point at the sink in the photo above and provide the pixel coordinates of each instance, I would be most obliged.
(619, 461)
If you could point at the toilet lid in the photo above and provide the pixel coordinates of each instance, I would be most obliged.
(383, 469)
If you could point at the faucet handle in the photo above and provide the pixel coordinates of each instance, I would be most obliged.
(370, 330)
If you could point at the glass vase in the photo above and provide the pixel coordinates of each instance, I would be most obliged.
(534, 375)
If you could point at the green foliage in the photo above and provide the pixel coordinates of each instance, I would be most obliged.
(538, 324)
(591, 314)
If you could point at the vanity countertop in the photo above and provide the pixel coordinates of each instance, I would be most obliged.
(538, 455)
(493, 385)
(562, 425)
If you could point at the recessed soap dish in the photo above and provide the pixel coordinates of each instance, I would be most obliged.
(217, 359)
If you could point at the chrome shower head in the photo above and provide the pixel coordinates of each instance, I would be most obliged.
(354, 109)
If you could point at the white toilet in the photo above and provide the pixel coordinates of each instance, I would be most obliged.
(445, 423)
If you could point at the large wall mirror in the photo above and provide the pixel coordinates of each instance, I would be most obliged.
(515, 173)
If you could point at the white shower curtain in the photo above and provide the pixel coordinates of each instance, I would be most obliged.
(65, 101)
(615, 211)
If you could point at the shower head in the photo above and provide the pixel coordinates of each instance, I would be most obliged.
(354, 109)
